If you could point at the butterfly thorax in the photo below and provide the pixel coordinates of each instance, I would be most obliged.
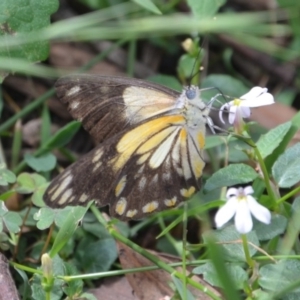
(194, 109)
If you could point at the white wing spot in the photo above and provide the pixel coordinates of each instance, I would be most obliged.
(171, 202)
(121, 206)
(74, 105)
(154, 180)
(54, 188)
(83, 198)
(120, 186)
(187, 193)
(139, 172)
(62, 186)
(166, 176)
(73, 90)
(142, 183)
(65, 196)
(131, 213)
(66, 173)
(98, 155)
(150, 207)
(143, 158)
(162, 151)
(97, 166)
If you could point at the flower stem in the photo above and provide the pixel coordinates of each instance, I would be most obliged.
(288, 195)
(249, 261)
(266, 177)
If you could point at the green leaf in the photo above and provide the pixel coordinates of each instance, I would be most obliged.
(180, 289)
(30, 183)
(87, 296)
(229, 86)
(74, 287)
(6, 177)
(271, 159)
(276, 277)
(62, 136)
(237, 274)
(286, 170)
(166, 80)
(231, 175)
(149, 5)
(267, 232)
(37, 196)
(185, 66)
(44, 218)
(44, 163)
(26, 184)
(205, 8)
(13, 221)
(26, 17)
(97, 256)
(38, 286)
(271, 140)
(233, 251)
(68, 228)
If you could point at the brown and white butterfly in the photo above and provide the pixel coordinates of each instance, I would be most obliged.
(150, 152)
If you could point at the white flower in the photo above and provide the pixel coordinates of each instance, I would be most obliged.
(240, 108)
(241, 204)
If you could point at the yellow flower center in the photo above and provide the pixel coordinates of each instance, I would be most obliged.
(241, 198)
(237, 102)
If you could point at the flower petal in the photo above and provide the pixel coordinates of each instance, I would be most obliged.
(254, 93)
(248, 190)
(231, 192)
(245, 111)
(223, 107)
(265, 99)
(261, 213)
(243, 221)
(226, 212)
(233, 110)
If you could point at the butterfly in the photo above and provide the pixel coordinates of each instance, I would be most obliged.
(150, 139)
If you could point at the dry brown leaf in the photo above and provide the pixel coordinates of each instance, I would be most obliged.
(113, 289)
(153, 285)
(71, 57)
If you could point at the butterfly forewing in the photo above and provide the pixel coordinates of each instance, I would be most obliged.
(108, 105)
(148, 160)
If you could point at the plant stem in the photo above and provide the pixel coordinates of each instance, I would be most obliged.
(250, 262)
(114, 233)
(266, 177)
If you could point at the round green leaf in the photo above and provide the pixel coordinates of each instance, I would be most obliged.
(43, 163)
(286, 170)
(7, 176)
(238, 275)
(231, 175)
(234, 251)
(45, 218)
(276, 277)
(26, 184)
(97, 256)
(37, 196)
(266, 232)
(13, 221)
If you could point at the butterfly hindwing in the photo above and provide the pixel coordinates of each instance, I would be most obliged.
(146, 169)
(108, 105)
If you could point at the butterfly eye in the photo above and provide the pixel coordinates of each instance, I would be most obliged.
(190, 94)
